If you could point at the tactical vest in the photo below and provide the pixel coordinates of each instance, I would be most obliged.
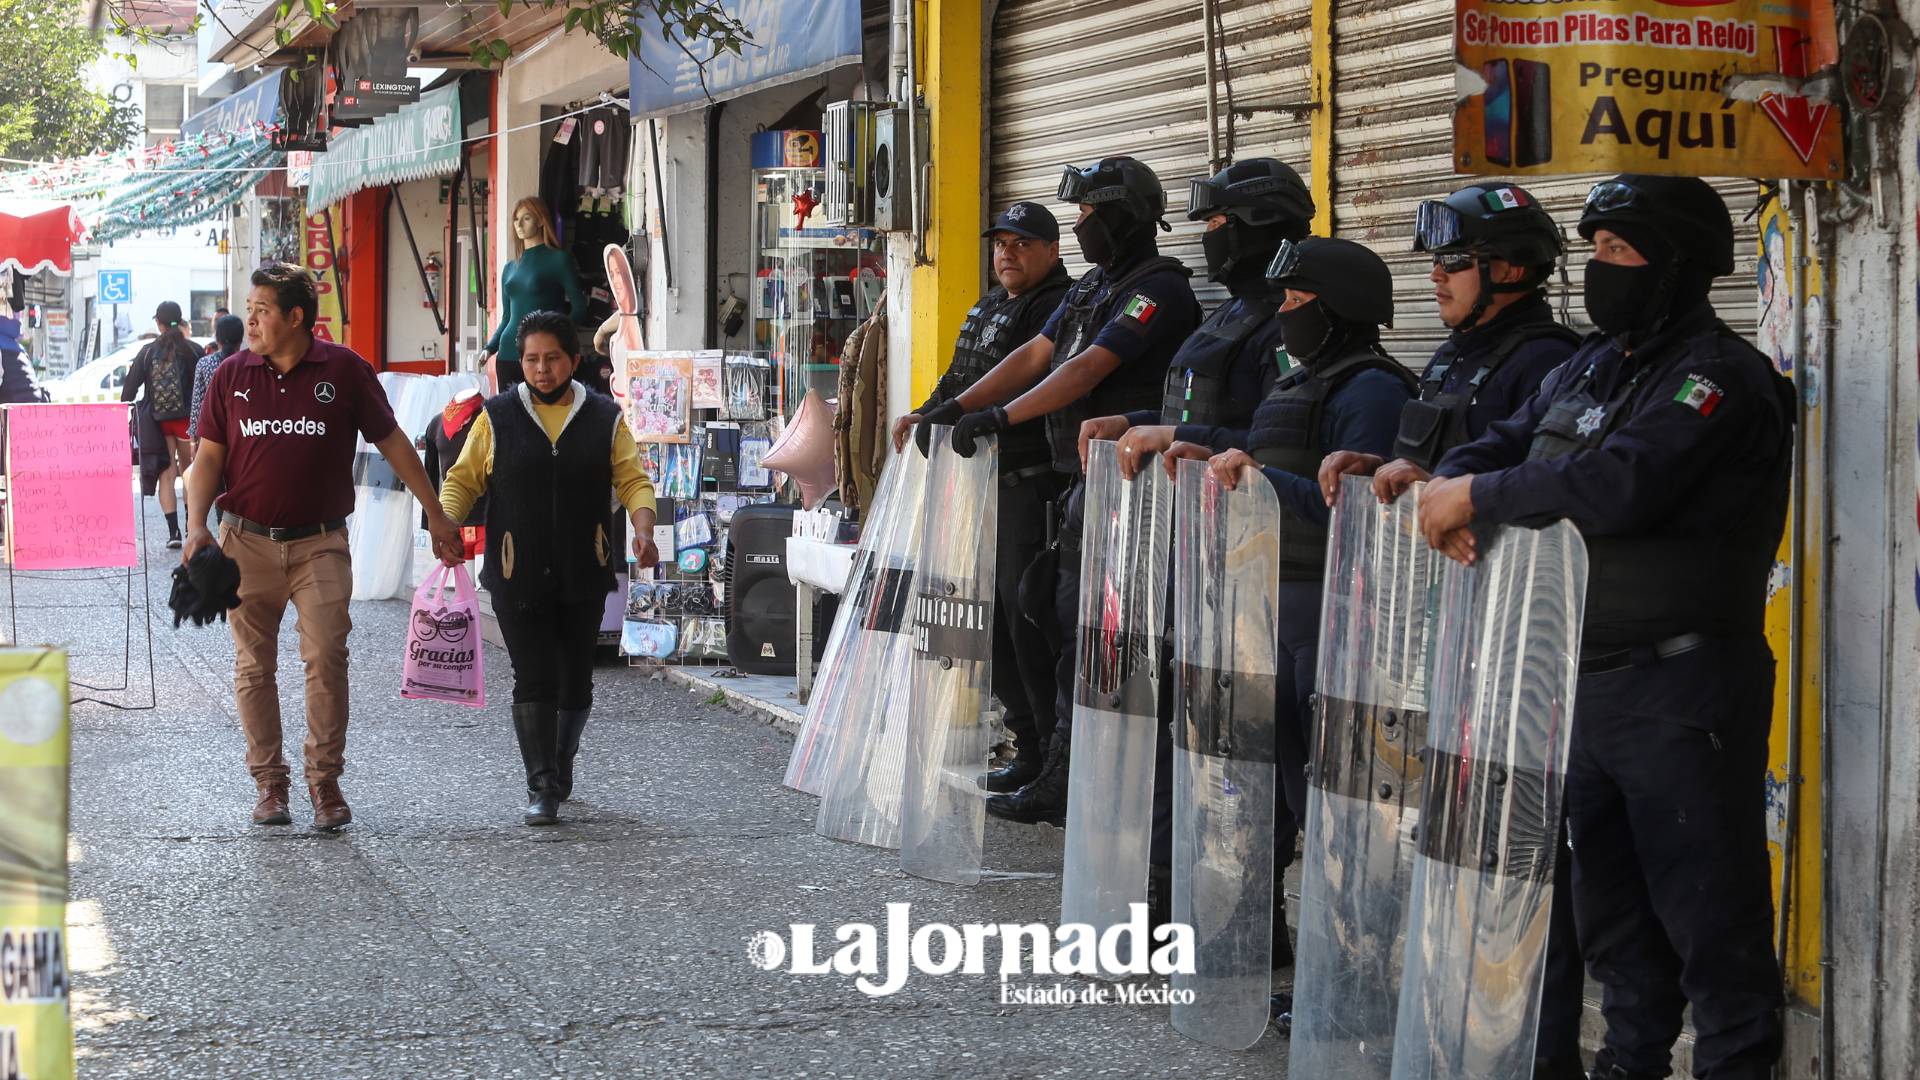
(549, 507)
(1090, 305)
(1286, 436)
(1646, 588)
(986, 337)
(1436, 421)
(1195, 391)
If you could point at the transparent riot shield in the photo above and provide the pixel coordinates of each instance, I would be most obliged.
(943, 807)
(1123, 597)
(1364, 785)
(864, 701)
(1506, 646)
(1226, 571)
(865, 626)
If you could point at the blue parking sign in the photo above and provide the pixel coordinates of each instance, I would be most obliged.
(114, 287)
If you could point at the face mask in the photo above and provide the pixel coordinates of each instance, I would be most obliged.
(1096, 240)
(1305, 330)
(549, 398)
(1620, 299)
(1218, 246)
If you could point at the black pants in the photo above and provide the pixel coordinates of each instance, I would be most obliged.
(1023, 661)
(551, 648)
(1564, 993)
(1666, 809)
(1066, 608)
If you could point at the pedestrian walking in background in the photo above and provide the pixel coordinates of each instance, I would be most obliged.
(166, 367)
(278, 429)
(548, 453)
(229, 336)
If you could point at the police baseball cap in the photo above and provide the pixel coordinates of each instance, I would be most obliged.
(1028, 219)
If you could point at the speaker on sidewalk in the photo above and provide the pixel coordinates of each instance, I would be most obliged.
(761, 630)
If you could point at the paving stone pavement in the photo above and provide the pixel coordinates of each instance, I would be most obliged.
(437, 936)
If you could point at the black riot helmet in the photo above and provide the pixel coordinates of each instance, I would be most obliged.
(1489, 220)
(1265, 203)
(1353, 282)
(1664, 217)
(1124, 184)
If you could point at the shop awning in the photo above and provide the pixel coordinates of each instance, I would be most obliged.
(37, 235)
(415, 142)
(797, 39)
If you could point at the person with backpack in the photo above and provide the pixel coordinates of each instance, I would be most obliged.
(166, 367)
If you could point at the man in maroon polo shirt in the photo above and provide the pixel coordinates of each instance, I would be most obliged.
(278, 425)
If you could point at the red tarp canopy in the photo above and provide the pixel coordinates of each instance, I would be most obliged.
(37, 235)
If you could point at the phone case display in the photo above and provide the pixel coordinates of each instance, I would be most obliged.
(659, 402)
(813, 283)
(707, 384)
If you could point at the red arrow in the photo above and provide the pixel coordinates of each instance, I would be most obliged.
(1799, 120)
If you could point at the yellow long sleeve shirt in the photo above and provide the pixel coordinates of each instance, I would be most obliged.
(467, 480)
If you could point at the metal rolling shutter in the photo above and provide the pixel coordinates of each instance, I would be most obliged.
(1071, 82)
(1393, 142)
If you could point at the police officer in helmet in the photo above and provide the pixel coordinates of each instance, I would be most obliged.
(1218, 377)
(1030, 281)
(1338, 390)
(1493, 248)
(1104, 351)
(1666, 440)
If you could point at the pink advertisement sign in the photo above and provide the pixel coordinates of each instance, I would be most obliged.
(69, 487)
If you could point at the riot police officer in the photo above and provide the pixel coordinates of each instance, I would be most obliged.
(1666, 440)
(1216, 379)
(1031, 281)
(1338, 390)
(1105, 350)
(1493, 249)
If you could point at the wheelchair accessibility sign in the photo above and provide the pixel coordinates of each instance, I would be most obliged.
(114, 287)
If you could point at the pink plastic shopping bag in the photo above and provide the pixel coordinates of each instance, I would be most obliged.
(443, 641)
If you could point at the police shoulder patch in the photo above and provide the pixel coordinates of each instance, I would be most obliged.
(1700, 394)
(1140, 308)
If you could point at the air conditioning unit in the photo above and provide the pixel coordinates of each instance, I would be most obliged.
(892, 172)
(848, 135)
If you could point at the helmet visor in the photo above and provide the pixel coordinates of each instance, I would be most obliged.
(1437, 226)
(1089, 186)
(1073, 185)
(1611, 197)
(1286, 262)
(1205, 198)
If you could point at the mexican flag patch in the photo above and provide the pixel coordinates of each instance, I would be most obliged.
(1505, 198)
(1285, 361)
(1700, 395)
(1141, 308)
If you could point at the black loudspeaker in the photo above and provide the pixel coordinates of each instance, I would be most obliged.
(761, 634)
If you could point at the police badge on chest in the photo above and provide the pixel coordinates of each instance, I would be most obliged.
(1591, 420)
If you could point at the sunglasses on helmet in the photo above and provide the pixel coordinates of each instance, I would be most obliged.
(1286, 262)
(1611, 197)
(1453, 262)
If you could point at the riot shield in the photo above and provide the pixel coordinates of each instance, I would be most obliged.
(1225, 626)
(863, 703)
(1364, 786)
(1123, 596)
(943, 807)
(1505, 654)
(866, 627)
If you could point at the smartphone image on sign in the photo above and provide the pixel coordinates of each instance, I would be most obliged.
(1532, 112)
(1499, 110)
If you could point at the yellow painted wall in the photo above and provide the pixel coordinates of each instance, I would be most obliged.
(1803, 892)
(953, 35)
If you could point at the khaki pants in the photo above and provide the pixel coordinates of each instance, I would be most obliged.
(314, 573)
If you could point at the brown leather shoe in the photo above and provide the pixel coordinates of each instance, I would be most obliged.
(329, 806)
(272, 807)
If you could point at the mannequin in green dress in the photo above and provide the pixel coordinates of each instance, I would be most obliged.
(541, 279)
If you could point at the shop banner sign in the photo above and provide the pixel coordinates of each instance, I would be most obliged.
(1676, 87)
(70, 488)
(256, 104)
(36, 1023)
(792, 39)
(417, 141)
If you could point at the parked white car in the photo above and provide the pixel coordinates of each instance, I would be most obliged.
(96, 380)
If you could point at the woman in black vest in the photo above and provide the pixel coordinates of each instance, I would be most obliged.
(547, 453)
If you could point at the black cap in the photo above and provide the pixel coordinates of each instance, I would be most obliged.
(1028, 219)
(167, 314)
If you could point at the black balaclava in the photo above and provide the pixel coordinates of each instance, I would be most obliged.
(1633, 303)
(1311, 332)
(1109, 237)
(1237, 254)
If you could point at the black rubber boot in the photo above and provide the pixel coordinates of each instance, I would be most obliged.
(1604, 1068)
(1024, 769)
(1282, 942)
(534, 725)
(1044, 801)
(572, 723)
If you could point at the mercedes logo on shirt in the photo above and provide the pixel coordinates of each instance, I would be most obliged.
(323, 393)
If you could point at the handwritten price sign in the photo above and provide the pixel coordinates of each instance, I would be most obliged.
(69, 487)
